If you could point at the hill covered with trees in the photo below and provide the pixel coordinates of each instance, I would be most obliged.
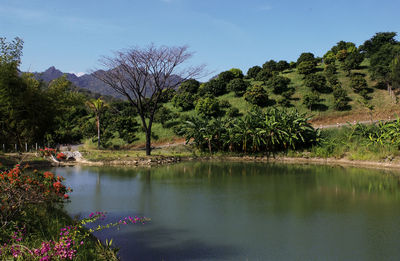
(348, 82)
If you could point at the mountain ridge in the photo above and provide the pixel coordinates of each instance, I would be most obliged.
(85, 81)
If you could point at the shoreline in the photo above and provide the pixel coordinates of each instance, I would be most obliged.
(167, 160)
(153, 161)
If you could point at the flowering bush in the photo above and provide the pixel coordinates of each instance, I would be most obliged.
(71, 239)
(61, 156)
(20, 189)
(47, 152)
(23, 196)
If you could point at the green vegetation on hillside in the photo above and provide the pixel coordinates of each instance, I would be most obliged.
(348, 81)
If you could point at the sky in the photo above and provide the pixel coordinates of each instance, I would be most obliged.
(73, 35)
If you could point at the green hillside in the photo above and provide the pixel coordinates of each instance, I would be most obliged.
(384, 105)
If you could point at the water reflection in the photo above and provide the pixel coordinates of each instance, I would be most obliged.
(235, 211)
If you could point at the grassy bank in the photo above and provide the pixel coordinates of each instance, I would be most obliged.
(357, 142)
(360, 142)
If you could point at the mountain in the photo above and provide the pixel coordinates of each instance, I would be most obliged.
(86, 81)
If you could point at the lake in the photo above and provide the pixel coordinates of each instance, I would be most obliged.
(243, 211)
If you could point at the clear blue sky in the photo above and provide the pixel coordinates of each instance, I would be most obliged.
(72, 35)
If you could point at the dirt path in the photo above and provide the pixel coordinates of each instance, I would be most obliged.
(337, 125)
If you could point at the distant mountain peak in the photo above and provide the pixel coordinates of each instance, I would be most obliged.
(85, 81)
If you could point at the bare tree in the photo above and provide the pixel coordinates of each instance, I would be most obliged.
(142, 74)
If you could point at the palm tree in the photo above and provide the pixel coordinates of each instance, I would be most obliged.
(97, 106)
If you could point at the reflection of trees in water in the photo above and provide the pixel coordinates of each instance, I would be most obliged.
(298, 188)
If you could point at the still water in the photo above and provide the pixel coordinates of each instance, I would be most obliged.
(244, 211)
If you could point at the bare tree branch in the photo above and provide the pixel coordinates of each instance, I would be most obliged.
(142, 74)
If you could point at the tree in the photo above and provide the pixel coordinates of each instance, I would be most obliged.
(311, 99)
(68, 109)
(11, 89)
(373, 45)
(184, 100)
(142, 74)
(341, 55)
(120, 119)
(226, 76)
(239, 86)
(330, 74)
(358, 83)
(186, 95)
(263, 75)
(97, 106)
(237, 73)
(278, 84)
(270, 66)
(341, 101)
(256, 95)
(330, 69)
(190, 86)
(317, 82)
(282, 65)
(306, 57)
(306, 67)
(395, 72)
(329, 57)
(342, 45)
(253, 71)
(11, 52)
(214, 87)
(286, 97)
(380, 63)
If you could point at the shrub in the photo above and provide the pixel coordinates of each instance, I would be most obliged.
(20, 190)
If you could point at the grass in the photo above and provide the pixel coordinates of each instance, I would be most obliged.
(129, 155)
(338, 143)
(11, 159)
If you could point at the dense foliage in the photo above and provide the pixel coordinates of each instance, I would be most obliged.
(270, 131)
(35, 112)
(32, 111)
